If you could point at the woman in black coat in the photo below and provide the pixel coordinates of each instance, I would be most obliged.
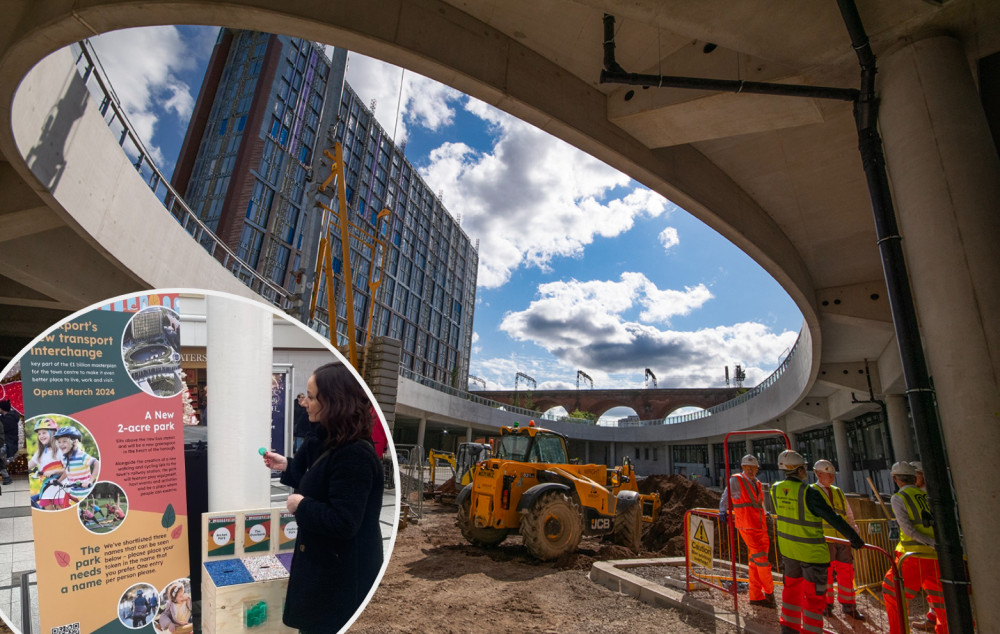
(337, 480)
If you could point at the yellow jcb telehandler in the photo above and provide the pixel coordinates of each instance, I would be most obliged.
(530, 486)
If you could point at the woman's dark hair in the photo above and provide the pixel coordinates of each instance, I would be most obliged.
(345, 411)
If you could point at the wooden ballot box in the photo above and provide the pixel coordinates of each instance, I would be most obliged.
(246, 557)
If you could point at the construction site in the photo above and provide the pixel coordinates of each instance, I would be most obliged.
(446, 576)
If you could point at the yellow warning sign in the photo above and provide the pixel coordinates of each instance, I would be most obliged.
(701, 541)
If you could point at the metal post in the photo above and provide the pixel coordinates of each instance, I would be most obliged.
(25, 599)
(919, 393)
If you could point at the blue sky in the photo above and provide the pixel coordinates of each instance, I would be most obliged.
(581, 268)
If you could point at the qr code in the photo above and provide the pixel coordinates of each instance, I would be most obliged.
(72, 628)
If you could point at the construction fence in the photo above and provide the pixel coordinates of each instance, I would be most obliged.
(710, 565)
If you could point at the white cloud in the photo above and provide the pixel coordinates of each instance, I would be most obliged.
(402, 99)
(669, 238)
(143, 66)
(531, 197)
(582, 325)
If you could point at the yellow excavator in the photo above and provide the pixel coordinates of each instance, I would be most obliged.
(469, 453)
(530, 486)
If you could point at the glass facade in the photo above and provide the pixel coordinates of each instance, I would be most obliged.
(428, 283)
(279, 83)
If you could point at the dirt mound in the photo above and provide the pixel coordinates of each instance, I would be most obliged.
(677, 495)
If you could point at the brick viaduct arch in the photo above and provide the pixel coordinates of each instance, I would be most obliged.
(648, 404)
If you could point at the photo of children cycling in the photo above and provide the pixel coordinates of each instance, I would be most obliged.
(104, 509)
(64, 461)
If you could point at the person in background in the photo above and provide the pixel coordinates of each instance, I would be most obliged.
(916, 535)
(747, 496)
(841, 555)
(337, 480)
(378, 434)
(301, 426)
(800, 511)
(930, 620)
(10, 421)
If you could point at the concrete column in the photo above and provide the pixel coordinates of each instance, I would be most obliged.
(240, 359)
(586, 452)
(468, 434)
(899, 427)
(421, 430)
(747, 447)
(945, 175)
(669, 458)
(611, 453)
(845, 473)
(792, 437)
(712, 467)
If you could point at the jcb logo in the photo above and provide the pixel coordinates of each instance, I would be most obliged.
(600, 524)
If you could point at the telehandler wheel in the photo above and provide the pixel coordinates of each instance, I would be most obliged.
(552, 526)
(486, 537)
(628, 528)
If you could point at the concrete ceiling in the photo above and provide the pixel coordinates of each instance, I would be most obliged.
(781, 177)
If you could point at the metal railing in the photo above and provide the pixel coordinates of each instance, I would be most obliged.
(670, 420)
(472, 397)
(89, 67)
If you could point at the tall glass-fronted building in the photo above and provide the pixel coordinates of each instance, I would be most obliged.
(428, 290)
(251, 160)
(250, 143)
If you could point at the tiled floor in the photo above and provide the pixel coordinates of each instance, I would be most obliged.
(17, 548)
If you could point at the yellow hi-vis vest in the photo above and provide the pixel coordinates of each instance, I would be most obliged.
(838, 501)
(800, 533)
(918, 511)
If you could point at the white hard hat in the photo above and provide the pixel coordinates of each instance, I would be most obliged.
(919, 468)
(790, 460)
(825, 466)
(750, 459)
(903, 469)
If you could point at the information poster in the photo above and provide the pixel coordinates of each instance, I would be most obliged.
(102, 398)
(257, 533)
(289, 530)
(278, 389)
(221, 535)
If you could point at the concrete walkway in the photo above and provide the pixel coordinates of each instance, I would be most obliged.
(17, 546)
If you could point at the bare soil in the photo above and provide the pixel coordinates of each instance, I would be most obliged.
(436, 581)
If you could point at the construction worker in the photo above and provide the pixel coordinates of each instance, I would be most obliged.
(841, 555)
(919, 468)
(747, 499)
(800, 510)
(929, 620)
(916, 535)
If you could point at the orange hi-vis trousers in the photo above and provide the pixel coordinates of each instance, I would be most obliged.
(758, 544)
(917, 572)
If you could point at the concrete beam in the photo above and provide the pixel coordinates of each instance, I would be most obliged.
(851, 376)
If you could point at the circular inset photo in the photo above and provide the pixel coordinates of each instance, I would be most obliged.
(64, 462)
(137, 605)
(151, 351)
(104, 509)
(174, 613)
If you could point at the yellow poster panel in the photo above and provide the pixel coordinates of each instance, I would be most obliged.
(701, 538)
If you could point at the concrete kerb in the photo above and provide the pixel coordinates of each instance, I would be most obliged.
(615, 576)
